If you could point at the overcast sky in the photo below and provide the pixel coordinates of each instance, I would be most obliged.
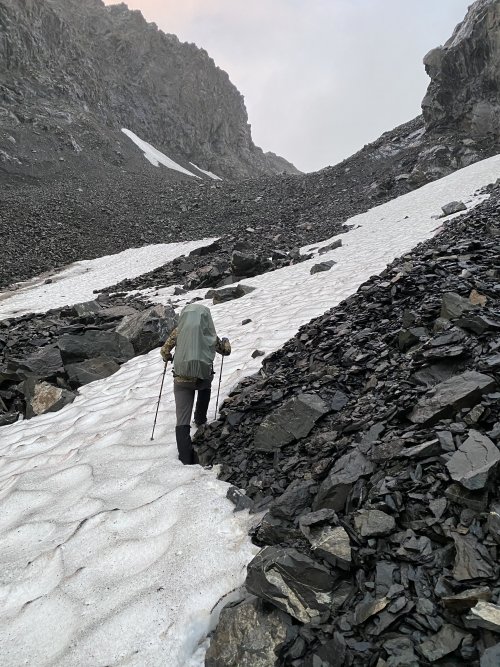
(320, 78)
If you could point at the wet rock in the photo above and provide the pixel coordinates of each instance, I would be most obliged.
(446, 641)
(335, 488)
(484, 615)
(373, 523)
(43, 397)
(228, 293)
(474, 461)
(466, 599)
(247, 636)
(149, 329)
(453, 207)
(90, 370)
(460, 391)
(94, 343)
(292, 421)
(322, 266)
(292, 582)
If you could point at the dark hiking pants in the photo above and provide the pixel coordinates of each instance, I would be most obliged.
(184, 393)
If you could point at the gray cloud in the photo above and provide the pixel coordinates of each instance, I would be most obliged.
(320, 77)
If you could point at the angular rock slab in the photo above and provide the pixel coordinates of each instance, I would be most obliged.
(148, 329)
(491, 657)
(247, 636)
(453, 305)
(333, 545)
(472, 559)
(466, 599)
(290, 422)
(374, 523)
(334, 489)
(228, 293)
(293, 582)
(43, 397)
(90, 370)
(447, 640)
(446, 398)
(95, 343)
(484, 615)
(45, 363)
(474, 461)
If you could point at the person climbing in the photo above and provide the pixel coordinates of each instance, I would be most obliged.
(196, 343)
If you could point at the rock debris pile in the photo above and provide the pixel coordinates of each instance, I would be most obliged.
(45, 358)
(370, 442)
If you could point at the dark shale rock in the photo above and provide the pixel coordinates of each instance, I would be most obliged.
(467, 599)
(373, 523)
(460, 391)
(292, 582)
(228, 293)
(294, 420)
(484, 615)
(297, 497)
(472, 559)
(94, 344)
(454, 306)
(333, 545)
(87, 308)
(454, 207)
(334, 490)
(331, 246)
(148, 329)
(247, 636)
(446, 641)
(248, 265)
(90, 370)
(474, 461)
(44, 364)
(491, 656)
(322, 266)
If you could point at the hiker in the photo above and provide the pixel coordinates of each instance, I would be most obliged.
(196, 343)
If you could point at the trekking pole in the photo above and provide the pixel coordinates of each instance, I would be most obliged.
(159, 399)
(218, 390)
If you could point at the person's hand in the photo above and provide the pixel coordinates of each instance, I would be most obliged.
(226, 347)
(166, 356)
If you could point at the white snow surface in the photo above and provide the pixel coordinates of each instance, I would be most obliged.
(120, 550)
(207, 173)
(77, 282)
(155, 156)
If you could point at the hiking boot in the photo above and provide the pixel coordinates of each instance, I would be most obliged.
(184, 445)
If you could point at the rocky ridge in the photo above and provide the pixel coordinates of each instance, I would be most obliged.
(75, 72)
(372, 445)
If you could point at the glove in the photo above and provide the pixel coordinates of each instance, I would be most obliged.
(226, 347)
(166, 356)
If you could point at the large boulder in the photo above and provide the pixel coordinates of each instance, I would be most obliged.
(90, 370)
(247, 636)
(148, 329)
(292, 582)
(42, 397)
(292, 421)
(95, 343)
(228, 293)
(248, 264)
(446, 398)
(347, 470)
(45, 363)
(464, 92)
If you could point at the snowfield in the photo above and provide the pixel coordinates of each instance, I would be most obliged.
(112, 552)
(155, 156)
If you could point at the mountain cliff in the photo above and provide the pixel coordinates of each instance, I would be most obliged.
(74, 72)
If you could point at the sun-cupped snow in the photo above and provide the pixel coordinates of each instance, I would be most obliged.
(112, 552)
(207, 173)
(78, 282)
(155, 156)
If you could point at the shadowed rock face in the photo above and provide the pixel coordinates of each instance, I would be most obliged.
(465, 75)
(74, 72)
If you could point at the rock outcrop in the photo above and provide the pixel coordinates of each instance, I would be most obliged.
(74, 72)
(465, 76)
